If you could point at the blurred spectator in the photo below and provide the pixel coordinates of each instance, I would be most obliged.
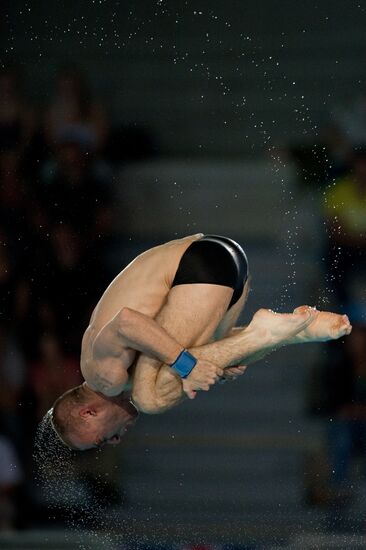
(17, 121)
(345, 212)
(338, 393)
(12, 372)
(13, 197)
(73, 115)
(76, 191)
(12, 361)
(346, 130)
(53, 372)
(346, 403)
(341, 388)
(56, 240)
(62, 292)
(69, 227)
(11, 477)
(10, 303)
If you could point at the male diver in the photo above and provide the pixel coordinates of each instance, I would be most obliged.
(165, 328)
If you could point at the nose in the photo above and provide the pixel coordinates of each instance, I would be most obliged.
(114, 440)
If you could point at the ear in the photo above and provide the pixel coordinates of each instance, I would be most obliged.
(87, 411)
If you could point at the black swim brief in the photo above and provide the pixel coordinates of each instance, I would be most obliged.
(214, 260)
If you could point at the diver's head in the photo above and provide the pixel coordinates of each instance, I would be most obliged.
(85, 419)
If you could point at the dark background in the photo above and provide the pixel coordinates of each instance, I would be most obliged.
(238, 118)
(207, 78)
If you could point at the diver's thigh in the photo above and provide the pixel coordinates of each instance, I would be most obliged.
(192, 312)
(232, 315)
(191, 315)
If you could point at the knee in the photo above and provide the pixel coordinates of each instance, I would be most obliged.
(146, 402)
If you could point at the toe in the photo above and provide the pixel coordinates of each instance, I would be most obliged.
(301, 309)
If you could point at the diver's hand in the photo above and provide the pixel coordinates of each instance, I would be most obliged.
(204, 375)
(231, 373)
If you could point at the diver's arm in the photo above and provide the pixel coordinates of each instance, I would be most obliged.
(115, 346)
(130, 331)
(136, 331)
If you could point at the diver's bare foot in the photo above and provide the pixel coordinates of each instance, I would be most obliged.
(280, 328)
(325, 326)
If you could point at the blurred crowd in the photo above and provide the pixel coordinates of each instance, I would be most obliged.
(57, 229)
(57, 166)
(340, 392)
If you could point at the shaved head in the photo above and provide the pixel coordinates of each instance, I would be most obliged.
(84, 419)
(66, 421)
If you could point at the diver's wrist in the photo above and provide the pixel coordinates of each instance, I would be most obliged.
(184, 363)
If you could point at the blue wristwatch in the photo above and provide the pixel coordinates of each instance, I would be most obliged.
(184, 363)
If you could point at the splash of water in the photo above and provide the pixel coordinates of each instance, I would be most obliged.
(54, 466)
(63, 486)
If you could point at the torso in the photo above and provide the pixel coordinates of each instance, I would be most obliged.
(143, 286)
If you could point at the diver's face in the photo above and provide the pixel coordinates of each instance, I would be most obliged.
(106, 421)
